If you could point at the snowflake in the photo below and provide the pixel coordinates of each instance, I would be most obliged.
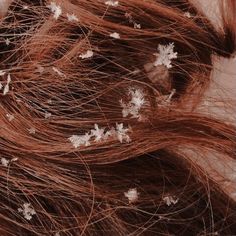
(72, 17)
(6, 88)
(121, 133)
(87, 54)
(187, 14)
(10, 117)
(166, 53)
(134, 105)
(112, 3)
(137, 26)
(132, 195)
(55, 9)
(27, 210)
(32, 130)
(170, 200)
(4, 162)
(98, 133)
(115, 35)
(78, 140)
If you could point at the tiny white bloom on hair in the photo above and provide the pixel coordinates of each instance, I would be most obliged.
(98, 133)
(132, 195)
(32, 130)
(4, 162)
(6, 88)
(115, 35)
(10, 117)
(79, 140)
(137, 26)
(27, 210)
(87, 54)
(170, 200)
(121, 133)
(72, 17)
(165, 55)
(112, 3)
(55, 9)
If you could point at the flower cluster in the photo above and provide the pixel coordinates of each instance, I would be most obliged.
(134, 105)
(27, 210)
(99, 134)
(165, 55)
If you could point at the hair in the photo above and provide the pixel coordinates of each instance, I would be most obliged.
(64, 74)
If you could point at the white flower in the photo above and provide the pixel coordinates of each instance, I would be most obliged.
(121, 133)
(10, 117)
(115, 35)
(132, 195)
(32, 130)
(134, 105)
(98, 133)
(166, 53)
(137, 26)
(27, 210)
(4, 162)
(87, 54)
(78, 140)
(72, 17)
(6, 88)
(170, 200)
(55, 9)
(7, 41)
(112, 3)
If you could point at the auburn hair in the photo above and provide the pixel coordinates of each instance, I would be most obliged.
(94, 139)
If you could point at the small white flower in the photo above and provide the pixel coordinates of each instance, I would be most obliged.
(87, 54)
(98, 133)
(72, 17)
(10, 117)
(27, 210)
(121, 133)
(4, 162)
(115, 35)
(112, 3)
(137, 26)
(132, 195)
(55, 9)
(170, 200)
(78, 140)
(166, 53)
(6, 88)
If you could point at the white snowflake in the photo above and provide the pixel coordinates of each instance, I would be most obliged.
(10, 117)
(32, 130)
(6, 88)
(112, 3)
(87, 54)
(137, 26)
(79, 140)
(170, 200)
(4, 162)
(134, 105)
(55, 9)
(115, 35)
(98, 133)
(132, 195)
(72, 17)
(121, 133)
(27, 210)
(165, 55)
(187, 14)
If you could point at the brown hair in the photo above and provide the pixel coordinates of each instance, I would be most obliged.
(61, 76)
